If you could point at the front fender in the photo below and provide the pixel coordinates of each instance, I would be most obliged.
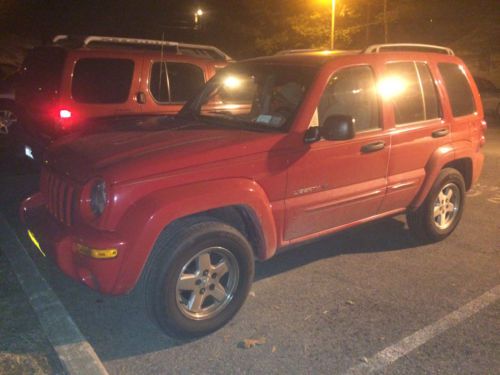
(146, 219)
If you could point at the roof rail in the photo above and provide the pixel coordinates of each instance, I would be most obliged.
(199, 50)
(376, 48)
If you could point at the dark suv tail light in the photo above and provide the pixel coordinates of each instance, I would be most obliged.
(64, 114)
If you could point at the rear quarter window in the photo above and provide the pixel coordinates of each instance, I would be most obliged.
(459, 91)
(102, 81)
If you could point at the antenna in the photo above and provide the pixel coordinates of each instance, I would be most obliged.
(164, 65)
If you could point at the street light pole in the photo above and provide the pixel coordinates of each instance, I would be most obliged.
(332, 31)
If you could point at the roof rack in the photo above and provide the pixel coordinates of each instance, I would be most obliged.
(376, 48)
(198, 50)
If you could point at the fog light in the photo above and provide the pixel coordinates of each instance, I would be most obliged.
(96, 253)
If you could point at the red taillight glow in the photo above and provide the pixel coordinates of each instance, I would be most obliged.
(64, 114)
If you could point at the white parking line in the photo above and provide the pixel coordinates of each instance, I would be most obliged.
(75, 353)
(392, 353)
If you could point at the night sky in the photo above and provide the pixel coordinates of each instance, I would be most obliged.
(245, 28)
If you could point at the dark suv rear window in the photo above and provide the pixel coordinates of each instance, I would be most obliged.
(457, 86)
(41, 73)
(102, 81)
(178, 85)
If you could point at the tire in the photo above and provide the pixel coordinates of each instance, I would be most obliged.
(187, 249)
(442, 209)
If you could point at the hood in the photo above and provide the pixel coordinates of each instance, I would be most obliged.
(141, 146)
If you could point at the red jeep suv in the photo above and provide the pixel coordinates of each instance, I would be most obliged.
(63, 85)
(272, 152)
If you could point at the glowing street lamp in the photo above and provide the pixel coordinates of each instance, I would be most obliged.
(197, 15)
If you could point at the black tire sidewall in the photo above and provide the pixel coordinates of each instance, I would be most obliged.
(165, 308)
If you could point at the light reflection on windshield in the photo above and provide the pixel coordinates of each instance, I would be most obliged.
(254, 95)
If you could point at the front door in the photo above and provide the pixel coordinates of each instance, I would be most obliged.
(334, 183)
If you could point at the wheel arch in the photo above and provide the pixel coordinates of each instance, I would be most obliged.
(464, 166)
(243, 205)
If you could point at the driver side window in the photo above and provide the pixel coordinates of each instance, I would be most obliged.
(351, 92)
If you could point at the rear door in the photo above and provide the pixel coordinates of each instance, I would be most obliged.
(167, 84)
(419, 126)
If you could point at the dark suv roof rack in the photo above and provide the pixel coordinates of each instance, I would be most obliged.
(94, 41)
(376, 48)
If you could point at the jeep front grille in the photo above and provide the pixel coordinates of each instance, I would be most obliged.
(60, 195)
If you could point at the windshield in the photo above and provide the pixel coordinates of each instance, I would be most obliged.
(252, 96)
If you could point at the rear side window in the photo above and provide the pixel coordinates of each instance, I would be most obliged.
(351, 92)
(411, 88)
(102, 81)
(175, 82)
(457, 86)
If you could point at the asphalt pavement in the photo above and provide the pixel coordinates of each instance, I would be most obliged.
(332, 306)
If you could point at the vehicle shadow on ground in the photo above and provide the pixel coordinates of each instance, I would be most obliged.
(380, 236)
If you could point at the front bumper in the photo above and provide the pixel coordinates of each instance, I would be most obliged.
(60, 242)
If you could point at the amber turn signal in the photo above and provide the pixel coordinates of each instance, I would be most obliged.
(96, 253)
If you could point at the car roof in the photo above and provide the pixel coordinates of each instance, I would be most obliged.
(307, 58)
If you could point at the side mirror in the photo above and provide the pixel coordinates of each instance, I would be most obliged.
(337, 128)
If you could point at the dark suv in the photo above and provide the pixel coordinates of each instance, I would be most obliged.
(73, 80)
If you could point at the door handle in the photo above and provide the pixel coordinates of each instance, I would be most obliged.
(371, 147)
(440, 133)
(141, 97)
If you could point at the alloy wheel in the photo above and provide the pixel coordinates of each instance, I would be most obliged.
(446, 206)
(207, 283)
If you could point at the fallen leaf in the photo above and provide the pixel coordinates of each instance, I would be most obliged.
(251, 294)
(364, 359)
(250, 343)
(307, 317)
(349, 302)
(325, 312)
(274, 349)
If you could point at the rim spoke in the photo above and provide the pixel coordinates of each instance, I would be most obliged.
(437, 211)
(204, 262)
(449, 194)
(441, 196)
(220, 269)
(442, 219)
(451, 207)
(196, 301)
(187, 282)
(219, 293)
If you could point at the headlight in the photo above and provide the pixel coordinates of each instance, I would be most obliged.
(98, 198)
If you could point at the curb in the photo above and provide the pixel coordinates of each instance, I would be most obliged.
(75, 353)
